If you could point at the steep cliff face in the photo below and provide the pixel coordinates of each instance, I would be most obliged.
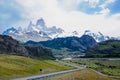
(11, 46)
(8, 45)
(39, 51)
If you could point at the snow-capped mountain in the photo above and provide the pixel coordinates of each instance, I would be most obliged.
(10, 30)
(36, 32)
(67, 34)
(40, 26)
(99, 37)
(40, 32)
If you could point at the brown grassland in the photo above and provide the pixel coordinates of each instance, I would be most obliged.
(86, 74)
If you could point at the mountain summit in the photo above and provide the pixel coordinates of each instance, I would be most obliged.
(40, 22)
(99, 37)
(10, 30)
(36, 32)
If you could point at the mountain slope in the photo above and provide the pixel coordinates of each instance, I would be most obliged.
(9, 45)
(109, 48)
(99, 37)
(71, 43)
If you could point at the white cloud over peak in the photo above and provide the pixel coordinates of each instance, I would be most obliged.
(64, 14)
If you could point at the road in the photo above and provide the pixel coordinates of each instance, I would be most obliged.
(44, 76)
(73, 65)
(105, 74)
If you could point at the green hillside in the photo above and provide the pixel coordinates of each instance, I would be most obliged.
(109, 48)
(18, 66)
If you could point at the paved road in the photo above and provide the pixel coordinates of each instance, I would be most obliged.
(73, 65)
(44, 76)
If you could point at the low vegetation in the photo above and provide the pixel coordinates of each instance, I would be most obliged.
(86, 74)
(109, 67)
(18, 66)
(107, 49)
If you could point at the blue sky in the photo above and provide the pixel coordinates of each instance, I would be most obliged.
(9, 13)
(114, 7)
(77, 14)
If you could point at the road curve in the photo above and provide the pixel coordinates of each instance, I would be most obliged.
(100, 73)
(73, 65)
(44, 76)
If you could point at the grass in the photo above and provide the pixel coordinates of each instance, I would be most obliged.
(86, 74)
(16, 66)
(109, 67)
(62, 52)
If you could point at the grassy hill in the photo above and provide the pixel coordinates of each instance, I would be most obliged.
(109, 48)
(16, 66)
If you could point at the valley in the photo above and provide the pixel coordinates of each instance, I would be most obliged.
(110, 67)
(53, 58)
(97, 69)
(59, 39)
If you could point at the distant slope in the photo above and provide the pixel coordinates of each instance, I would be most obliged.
(18, 66)
(109, 48)
(71, 43)
(99, 37)
(8, 45)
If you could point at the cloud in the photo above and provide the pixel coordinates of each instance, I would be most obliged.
(65, 14)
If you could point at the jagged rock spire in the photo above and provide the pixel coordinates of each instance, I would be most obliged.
(40, 22)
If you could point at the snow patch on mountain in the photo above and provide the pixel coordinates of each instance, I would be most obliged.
(99, 37)
(40, 32)
(36, 32)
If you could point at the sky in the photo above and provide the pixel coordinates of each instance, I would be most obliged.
(70, 15)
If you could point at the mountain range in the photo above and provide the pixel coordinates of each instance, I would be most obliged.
(40, 32)
(38, 36)
(68, 44)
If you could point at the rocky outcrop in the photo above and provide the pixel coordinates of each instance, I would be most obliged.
(8, 45)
